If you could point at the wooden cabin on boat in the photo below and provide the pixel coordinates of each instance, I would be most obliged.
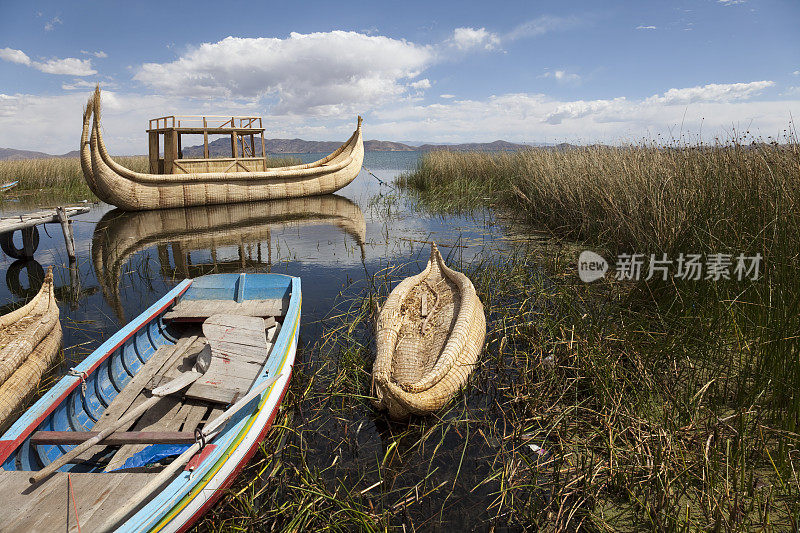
(166, 147)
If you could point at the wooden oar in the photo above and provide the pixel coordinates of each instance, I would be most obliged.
(177, 384)
(208, 431)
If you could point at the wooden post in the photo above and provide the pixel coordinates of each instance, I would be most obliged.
(66, 227)
(170, 150)
(205, 138)
(153, 137)
(28, 247)
(180, 145)
(234, 145)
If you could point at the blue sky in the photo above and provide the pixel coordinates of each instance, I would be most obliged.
(434, 71)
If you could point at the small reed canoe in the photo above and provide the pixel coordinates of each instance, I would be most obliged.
(430, 332)
(214, 422)
(29, 341)
(136, 191)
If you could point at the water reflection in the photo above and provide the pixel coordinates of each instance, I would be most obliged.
(189, 241)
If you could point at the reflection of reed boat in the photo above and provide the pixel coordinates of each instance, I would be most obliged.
(160, 387)
(29, 340)
(430, 332)
(177, 182)
(120, 234)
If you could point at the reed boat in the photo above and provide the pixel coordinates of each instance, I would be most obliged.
(430, 333)
(174, 181)
(29, 341)
(148, 431)
(205, 229)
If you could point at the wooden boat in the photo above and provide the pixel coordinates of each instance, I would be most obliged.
(191, 182)
(152, 366)
(8, 186)
(429, 335)
(119, 235)
(29, 341)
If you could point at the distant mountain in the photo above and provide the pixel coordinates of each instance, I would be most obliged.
(222, 148)
(12, 154)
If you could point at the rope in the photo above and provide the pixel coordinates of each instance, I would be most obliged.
(82, 375)
(74, 504)
(376, 177)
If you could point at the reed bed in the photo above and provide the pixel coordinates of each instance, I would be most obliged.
(566, 425)
(685, 410)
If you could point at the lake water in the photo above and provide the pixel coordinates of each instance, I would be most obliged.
(337, 244)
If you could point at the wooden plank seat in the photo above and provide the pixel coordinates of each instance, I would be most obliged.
(200, 310)
(116, 438)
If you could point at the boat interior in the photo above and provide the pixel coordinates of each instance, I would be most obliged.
(234, 318)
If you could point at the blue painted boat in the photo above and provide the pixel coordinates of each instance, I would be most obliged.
(8, 186)
(78, 401)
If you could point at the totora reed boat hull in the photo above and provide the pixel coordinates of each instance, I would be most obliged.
(29, 341)
(430, 333)
(136, 191)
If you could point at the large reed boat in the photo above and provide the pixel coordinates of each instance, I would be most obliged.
(175, 181)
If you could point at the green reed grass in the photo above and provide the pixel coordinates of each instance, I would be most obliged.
(685, 393)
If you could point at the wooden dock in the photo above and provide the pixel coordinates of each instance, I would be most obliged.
(27, 223)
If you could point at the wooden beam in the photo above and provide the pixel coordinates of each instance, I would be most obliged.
(115, 439)
(170, 150)
(153, 141)
(234, 144)
(205, 138)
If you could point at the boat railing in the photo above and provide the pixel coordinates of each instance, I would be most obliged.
(206, 122)
(167, 132)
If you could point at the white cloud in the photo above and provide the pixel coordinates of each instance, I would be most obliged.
(540, 26)
(78, 84)
(27, 120)
(424, 83)
(14, 56)
(316, 74)
(52, 23)
(713, 92)
(561, 76)
(796, 72)
(471, 38)
(524, 118)
(730, 2)
(448, 96)
(791, 91)
(646, 27)
(99, 54)
(69, 66)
